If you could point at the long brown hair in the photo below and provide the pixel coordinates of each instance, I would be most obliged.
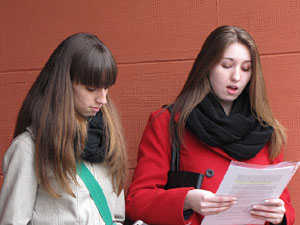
(49, 109)
(197, 84)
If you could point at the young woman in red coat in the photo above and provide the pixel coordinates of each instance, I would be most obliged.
(221, 114)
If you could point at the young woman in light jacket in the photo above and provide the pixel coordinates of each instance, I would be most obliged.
(41, 184)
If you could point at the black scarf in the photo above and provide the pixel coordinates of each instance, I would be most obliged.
(95, 148)
(239, 134)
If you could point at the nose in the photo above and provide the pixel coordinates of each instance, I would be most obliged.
(101, 96)
(236, 75)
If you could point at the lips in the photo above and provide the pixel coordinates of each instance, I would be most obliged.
(232, 89)
(96, 109)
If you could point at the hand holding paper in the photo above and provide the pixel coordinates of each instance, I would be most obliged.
(252, 185)
(272, 211)
(207, 203)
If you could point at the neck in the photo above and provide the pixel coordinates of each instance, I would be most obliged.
(227, 108)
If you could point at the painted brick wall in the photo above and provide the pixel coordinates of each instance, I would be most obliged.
(154, 43)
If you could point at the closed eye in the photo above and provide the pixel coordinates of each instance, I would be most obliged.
(226, 66)
(91, 88)
(246, 69)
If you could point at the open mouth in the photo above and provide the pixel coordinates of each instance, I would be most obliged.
(232, 89)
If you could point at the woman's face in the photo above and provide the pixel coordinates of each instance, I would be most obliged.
(229, 77)
(88, 100)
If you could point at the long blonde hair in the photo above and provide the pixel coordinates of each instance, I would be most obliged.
(49, 109)
(197, 84)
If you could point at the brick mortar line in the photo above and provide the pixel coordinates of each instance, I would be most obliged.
(155, 62)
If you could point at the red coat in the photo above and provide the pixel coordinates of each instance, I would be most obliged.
(147, 200)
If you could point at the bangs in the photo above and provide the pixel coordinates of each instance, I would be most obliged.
(96, 68)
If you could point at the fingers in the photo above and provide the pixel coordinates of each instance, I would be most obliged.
(214, 205)
(271, 205)
(274, 218)
(272, 211)
(211, 211)
(207, 203)
(218, 202)
(218, 199)
(274, 202)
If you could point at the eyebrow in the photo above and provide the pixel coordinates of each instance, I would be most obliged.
(233, 59)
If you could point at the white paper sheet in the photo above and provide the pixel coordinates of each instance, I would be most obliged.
(251, 184)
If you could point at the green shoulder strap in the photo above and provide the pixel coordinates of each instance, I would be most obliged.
(96, 192)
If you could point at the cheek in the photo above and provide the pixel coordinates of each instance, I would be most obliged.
(216, 83)
(79, 101)
(80, 97)
(247, 79)
(76, 103)
(217, 76)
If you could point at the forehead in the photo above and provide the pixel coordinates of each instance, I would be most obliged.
(237, 51)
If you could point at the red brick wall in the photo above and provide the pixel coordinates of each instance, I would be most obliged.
(154, 43)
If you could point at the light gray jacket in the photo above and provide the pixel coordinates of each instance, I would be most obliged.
(23, 201)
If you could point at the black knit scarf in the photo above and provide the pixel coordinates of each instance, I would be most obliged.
(95, 149)
(239, 134)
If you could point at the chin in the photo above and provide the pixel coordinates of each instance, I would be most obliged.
(93, 114)
(89, 114)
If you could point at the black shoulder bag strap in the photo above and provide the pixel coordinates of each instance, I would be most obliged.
(176, 177)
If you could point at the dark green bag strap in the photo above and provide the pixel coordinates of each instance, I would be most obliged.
(96, 192)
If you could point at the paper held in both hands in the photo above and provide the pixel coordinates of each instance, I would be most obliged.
(251, 184)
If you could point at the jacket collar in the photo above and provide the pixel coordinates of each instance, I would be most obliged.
(29, 130)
